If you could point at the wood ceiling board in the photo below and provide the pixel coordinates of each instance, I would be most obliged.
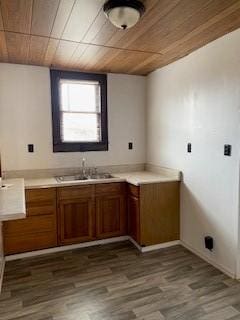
(74, 61)
(150, 40)
(50, 52)
(172, 28)
(82, 16)
(94, 58)
(64, 53)
(44, 13)
(147, 65)
(199, 30)
(3, 47)
(95, 27)
(89, 57)
(21, 42)
(17, 15)
(213, 32)
(193, 23)
(123, 61)
(37, 50)
(63, 14)
(105, 33)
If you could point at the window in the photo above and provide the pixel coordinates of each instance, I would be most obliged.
(79, 111)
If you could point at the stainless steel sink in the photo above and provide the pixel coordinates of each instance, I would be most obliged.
(70, 178)
(97, 176)
(101, 176)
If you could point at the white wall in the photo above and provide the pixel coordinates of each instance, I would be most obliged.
(197, 100)
(25, 118)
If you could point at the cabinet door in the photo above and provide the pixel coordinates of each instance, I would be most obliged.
(76, 221)
(134, 217)
(111, 216)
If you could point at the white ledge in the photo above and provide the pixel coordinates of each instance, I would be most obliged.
(12, 200)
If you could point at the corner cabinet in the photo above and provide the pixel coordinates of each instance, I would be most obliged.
(153, 212)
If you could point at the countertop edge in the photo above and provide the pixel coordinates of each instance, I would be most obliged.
(15, 194)
(116, 179)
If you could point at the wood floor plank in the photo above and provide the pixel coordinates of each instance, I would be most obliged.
(117, 282)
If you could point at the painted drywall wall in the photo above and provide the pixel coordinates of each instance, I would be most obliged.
(25, 118)
(197, 100)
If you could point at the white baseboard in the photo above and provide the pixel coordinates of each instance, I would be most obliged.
(65, 248)
(112, 240)
(217, 265)
(89, 244)
(155, 246)
(135, 244)
(160, 246)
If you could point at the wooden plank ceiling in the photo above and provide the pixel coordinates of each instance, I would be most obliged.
(75, 34)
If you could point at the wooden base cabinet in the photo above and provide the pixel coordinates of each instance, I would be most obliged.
(153, 212)
(66, 215)
(39, 229)
(91, 212)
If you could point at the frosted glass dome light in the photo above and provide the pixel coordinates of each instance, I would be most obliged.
(124, 14)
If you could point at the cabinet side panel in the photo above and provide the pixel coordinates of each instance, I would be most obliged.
(159, 212)
(1, 257)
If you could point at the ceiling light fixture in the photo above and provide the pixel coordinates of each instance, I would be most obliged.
(124, 14)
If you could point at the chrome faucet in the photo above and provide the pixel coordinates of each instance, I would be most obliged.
(84, 167)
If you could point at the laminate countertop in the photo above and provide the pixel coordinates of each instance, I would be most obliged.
(12, 200)
(135, 178)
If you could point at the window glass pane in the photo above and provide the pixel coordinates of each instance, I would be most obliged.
(80, 127)
(64, 97)
(80, 96)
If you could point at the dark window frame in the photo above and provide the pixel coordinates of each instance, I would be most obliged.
(58, 144)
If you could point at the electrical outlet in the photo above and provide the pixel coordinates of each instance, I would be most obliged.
(227, 150)
(208, 242)
(30, 148)
(189, 147)
(130, 145)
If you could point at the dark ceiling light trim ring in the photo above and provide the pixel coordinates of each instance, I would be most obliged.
(135, 4)
(124, 13)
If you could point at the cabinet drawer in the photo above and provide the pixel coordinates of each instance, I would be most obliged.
(35, 195)
(41, 202)
(30, 225)
(110, 188)
(29, 242)
(77, 192)
(133, 190)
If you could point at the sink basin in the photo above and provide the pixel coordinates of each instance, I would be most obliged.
(84, 178)
(71, 178)
(101, 176)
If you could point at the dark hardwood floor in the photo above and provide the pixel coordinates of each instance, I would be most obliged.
(117, 282)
